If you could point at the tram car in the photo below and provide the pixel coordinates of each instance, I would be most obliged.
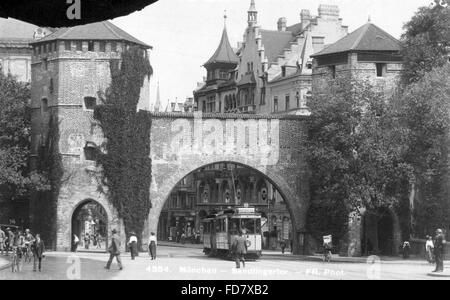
(220, 230)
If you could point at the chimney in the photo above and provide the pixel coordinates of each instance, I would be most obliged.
(329, 11)
(305, 17)
(282, 24)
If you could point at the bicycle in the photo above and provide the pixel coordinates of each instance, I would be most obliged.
(327, 256)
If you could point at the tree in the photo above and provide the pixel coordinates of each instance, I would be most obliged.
(126, 163)
(426, 41)
(426, 111)
(356, 145)
(16, 181)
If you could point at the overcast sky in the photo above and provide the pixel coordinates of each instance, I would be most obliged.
(185, 33)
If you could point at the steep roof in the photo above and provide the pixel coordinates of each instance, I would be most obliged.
(94, 31)
(275, 42)
(366, 38)
(224, 53)
(12, 29)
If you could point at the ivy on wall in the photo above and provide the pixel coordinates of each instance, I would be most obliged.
(125, 161)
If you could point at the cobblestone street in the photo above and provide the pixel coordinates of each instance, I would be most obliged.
(191, 264)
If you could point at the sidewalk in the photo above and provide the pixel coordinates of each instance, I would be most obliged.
(273, 254)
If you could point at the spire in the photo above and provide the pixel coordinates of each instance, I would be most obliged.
(252, 14)
(224, 53)
(369, 20)
(158, 100)
(225, 19)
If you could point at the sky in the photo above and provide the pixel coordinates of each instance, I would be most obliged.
(185, 33)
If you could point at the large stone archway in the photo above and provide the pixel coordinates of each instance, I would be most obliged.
(273, 146)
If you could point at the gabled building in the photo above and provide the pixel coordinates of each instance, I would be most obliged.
(15, 49)
(271, 72)
(367, 54)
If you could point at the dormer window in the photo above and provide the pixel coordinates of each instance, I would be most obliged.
(90, 103)
(79, 46)
(283, 71)
(381, 70)
(91, 46)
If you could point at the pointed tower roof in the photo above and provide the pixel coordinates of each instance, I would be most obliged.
(366, 38)
(224, 53)
(252, 7)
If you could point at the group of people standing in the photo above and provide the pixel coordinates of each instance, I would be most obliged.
(20, 244)
(114, 248)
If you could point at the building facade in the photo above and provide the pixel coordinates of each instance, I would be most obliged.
(15, 48)
(367, 55)
(69, 68)
(271, 71)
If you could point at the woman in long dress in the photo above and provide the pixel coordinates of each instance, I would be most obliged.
(152, 243)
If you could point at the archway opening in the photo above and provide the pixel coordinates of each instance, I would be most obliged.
(90, 226)
(220, 186)
(378, 233)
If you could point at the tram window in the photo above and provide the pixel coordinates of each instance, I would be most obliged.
(258, 226)
(248, 225)
(233, 227)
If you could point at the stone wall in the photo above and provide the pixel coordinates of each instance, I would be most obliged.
(174, 154)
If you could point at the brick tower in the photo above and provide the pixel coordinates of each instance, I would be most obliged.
(69, 68)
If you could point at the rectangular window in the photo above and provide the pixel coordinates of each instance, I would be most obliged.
(283, 71)
(91, 46)
(44, 105)
(333, 72)
(90, 102)
(297, 97)
(113, 47)
(79, 46)
(263, 96)
(67, 45)
(275, 104)
(381, 70)
(102, 47)
(288, 100)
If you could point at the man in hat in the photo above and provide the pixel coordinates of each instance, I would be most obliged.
(439, 245)
(132, 244)
(114, 250)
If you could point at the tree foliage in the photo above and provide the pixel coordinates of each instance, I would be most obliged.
(356, 146)
(426, 111)
(125, 163)
(16, 180)
(426, 42)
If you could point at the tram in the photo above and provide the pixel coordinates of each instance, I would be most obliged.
(220, 230)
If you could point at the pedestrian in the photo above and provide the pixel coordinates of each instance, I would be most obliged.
(439, 244)
(283, 246)
(239, 248)
(406, 248)
(2, 241)
(429, 247)
(87, 240)
(114, 250)
(10, 241)
(76, 242)
(38, 252)
(132, 244)
(99, 241)
(152, 243)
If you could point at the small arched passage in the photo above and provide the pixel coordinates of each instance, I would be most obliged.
(161, 191)
(380, 233)
(90, 218)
